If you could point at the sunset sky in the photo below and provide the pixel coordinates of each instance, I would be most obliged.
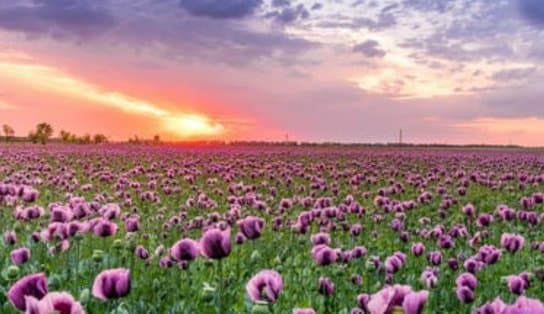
(445, 71)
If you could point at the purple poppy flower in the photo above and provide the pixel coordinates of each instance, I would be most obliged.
(320, 238)
(522, 305)
(362, 301)
(516, 284)
(132, 224)
(61, 214)
(526, 279)
(445, 242)
(495, 307)
(166, 262)
(512, 242)
(453, 264)
(30, 195)
(472, 265)
(141, 252)
(414, 302)
(465, 294)
(429, 277)
(239, 238)
(251, 227)
(397, 296)
(324, 255)
(393, 264)
(10, 237)
(265, 286)
(185, 250)
(418, 249)
(469, 210)
(20, 256)
(215, 244)
(467, 280)
(484, 220)
(34, 285)
(525, 305)
(104, 228)
(112, 284)
(325, 286)
(435, 258)
(54, 302)
(359, 251)
(356, 229)
(489, 254)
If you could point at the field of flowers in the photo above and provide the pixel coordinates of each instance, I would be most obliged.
(159, 229)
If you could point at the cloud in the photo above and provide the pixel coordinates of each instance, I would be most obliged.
(213, 40)
(317, 6)
(164, 28)
(280, 3)
(221, 9)
(370, 48)
(376, 18)
(513, 74)
(533, 11)
(60, 18)
(289, 14)
(429, 5)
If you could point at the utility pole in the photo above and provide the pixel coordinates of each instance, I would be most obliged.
(287, 137)
(400, 136)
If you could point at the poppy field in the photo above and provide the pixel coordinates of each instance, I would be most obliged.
(250, 229)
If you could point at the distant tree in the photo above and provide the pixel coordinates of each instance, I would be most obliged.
(157, 139)
(43, 132)
(8, 132)
(85, 139)
(32, 137)
(134, 140)
(100, 138)
(66, 136)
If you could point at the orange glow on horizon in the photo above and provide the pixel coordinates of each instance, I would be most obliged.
(51, 80)
(524, 131)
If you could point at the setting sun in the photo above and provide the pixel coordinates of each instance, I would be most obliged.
(192, 126)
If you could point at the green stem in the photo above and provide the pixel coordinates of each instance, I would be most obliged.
(77, 264)
(220, 287)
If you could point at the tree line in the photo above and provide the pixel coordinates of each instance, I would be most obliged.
(44, 132)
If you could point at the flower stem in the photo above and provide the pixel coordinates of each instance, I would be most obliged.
(220, 287)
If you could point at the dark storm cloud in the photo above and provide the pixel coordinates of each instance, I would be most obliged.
(195, 30)
(533, 11)
(370, 48)
(221, 9)
(60, 18)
